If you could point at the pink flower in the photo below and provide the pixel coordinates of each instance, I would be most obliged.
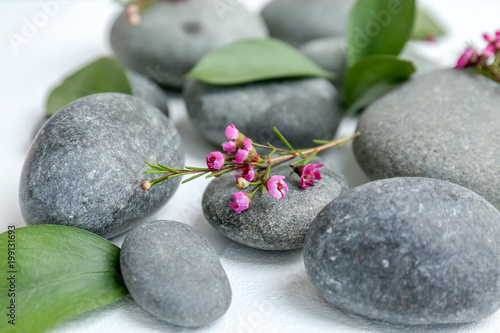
(247, 172)
(465, 58)
(489, 51)
(232, 135)
(241, 202)
(215, 160)
(276, 186)
(246, 153)
(308, 174)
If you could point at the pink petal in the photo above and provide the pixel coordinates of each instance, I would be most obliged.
(241, 156)
(229, 147)
(232, 132)
(464, 59)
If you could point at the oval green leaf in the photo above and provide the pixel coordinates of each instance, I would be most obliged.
(252, 60)
(102, 75)
(425, 26)
(372, 77)
(379, 27)
(53, 273)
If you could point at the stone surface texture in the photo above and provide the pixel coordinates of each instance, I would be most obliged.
(407, 250)
(269, 223)
(84, 168)
(301, 109)
(441, 124)
(299, 21)
(172, 272)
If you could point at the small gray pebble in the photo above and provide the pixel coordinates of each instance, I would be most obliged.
(300, 21)
(407, 250)
(270, 223)
(173, 36)
(172, 272)
(301, 109)
(442, 124)
(84, 168)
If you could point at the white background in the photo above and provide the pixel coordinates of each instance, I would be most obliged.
(271, 292)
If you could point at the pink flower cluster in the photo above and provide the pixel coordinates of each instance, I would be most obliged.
(240, 151)
(472, 57)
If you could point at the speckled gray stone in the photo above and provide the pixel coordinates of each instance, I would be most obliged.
(84, 168)
(299, 21)
(270, 223)
(172, 272)
(173, 36)
(407, 250)
(302, 109)
(330, 54)
(441, 124)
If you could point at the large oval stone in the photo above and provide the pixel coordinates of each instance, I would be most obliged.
(441, 124)
(269, 223)
(408, 250)
(84, 168)
(172, 272)
(174, 35)
(301, 109)
(299, 21)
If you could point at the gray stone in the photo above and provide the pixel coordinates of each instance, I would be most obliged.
(84, 168)
(143, 87)
(270, 223)
(302, 109)
(299, 21)
(172, 272)
(441, 124)
(329, 53)
(173, 36)
(407, 250)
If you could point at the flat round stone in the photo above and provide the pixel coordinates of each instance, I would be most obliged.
(442, 124)
(172, 272)
(84, 168)
(174, 35)
(269, 223)
(302, 109)
(407, 250)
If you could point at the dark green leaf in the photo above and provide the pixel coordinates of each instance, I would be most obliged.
(425, 26)
(167, 168)
(195, 168)
(379, 27)
(372, 77)
(102, 75)
(59, 272)
(252, 60)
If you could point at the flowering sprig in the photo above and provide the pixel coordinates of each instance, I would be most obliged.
(251, 168)
(487, 61)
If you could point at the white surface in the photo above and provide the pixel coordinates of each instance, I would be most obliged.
(271, 292)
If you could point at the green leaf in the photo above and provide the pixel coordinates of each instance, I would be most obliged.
(425, 26)
(252, 60)
(282, 138)
(372, 77)
(102, 75)
(59, 272)
(379, 27)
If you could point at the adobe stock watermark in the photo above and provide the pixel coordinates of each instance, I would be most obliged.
(31, 26)
(222, 7)
(373, 28)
